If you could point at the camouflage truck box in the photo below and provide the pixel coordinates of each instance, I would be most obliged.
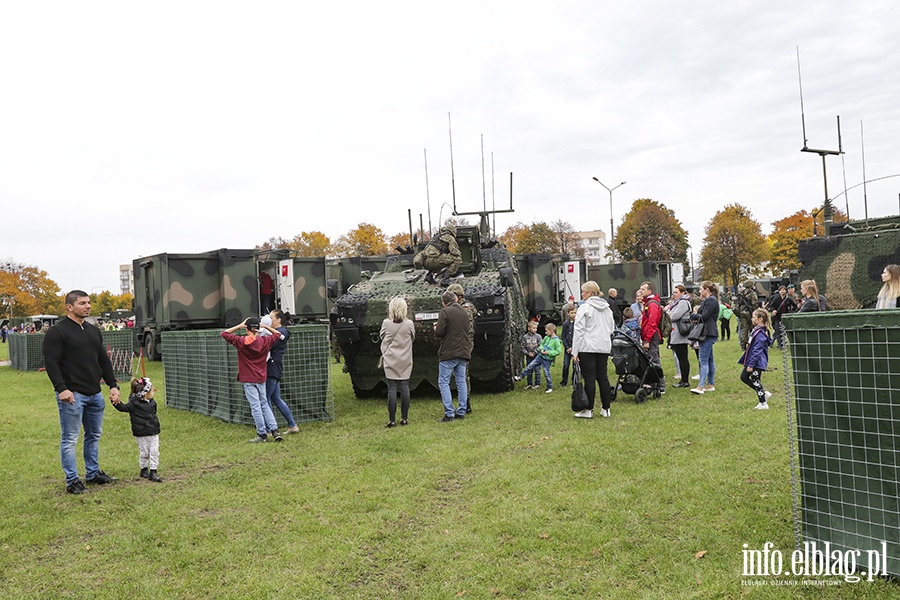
(541, 284)
(491, 284)
(627, 278)
(218, 289)
(847, 264)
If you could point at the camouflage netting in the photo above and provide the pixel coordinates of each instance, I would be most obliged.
(847, 268)
(846, 384)
(201, 375)
(26, 351)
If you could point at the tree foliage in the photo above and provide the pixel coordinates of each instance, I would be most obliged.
(537, 238)
(650, 231)
(787, 234)
(734, 243)
(306, 243)
(568, 240)
(27, 290)
(106, 301)
(365, 240)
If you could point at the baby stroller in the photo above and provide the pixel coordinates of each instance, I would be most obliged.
(637, 375)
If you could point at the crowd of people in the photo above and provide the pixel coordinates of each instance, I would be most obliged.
(76, 361)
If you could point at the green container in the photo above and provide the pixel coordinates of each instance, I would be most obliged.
(201, 372)
(846, 370)
(26, 352)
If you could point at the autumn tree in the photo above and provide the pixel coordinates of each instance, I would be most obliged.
(568, 240)
(307, 243)
(106, 301)
(365, 240)
(787, 234)
(27, 290)
(650, 231)
(511, 237)
(734, 242)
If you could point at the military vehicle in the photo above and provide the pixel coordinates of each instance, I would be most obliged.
(220, 288)
(847, 261)
(491, 282)
(628, 277)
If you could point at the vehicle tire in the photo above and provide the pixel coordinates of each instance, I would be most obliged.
(152, 347)
(640, 396)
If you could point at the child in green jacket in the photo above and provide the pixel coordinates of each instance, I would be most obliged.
(551, 347)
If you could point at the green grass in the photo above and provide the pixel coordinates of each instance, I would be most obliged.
(518, 501)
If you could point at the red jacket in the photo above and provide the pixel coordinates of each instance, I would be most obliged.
(652, 314)
(252, 357)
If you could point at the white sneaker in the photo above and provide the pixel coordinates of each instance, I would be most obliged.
(697, 390)
(549, 391)
(762, 406)
(604, 412)
(516, 378)
(585, 414)
(768, 395)
(697, 377)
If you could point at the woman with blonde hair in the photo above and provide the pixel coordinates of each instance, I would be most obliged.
(397, 336)
(591, 345)
(812, 300)
(889, 296)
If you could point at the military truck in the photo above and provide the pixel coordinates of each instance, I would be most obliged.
(627, 278)
(490, 278)
(220, 288)
(847, 262)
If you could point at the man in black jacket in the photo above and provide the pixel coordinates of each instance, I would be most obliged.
(452, 328)
(75, 359)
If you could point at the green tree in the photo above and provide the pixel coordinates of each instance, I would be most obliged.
(734, 242)
(365, 240)
(650, 231)
(106, 301)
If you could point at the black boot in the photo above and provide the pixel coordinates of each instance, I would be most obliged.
(154, 477)
(429, 278)
(145, 473)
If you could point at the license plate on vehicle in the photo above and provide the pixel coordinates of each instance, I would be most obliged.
(423, 316)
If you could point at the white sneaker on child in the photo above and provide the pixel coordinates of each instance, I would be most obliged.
(768, 395)
(762, 406)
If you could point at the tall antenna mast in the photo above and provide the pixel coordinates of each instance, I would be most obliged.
(826, 207)
(427, 195)
(493, 197)
(865, 197)
(483, 195)
(452, 175)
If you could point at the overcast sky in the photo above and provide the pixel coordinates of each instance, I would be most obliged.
(129, 129)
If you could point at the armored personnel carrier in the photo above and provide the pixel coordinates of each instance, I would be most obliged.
(491, 284)
(847, 262)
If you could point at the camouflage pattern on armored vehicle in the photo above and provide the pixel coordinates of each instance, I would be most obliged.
(220, 288)
(491, 284)
(847, 263)
(627, 278)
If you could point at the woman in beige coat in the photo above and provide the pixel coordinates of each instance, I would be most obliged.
(397, 336)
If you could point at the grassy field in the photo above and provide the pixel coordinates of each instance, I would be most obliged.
(518, 501)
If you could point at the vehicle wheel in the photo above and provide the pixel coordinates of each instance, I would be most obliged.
(152, 346)
(640, 396)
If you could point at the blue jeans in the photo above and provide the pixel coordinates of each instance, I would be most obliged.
(87, 411)
(457, 368)
(707, 363)
(273, 393)
(262, 413)
(540, 362)
(535, 376)
(567, 361)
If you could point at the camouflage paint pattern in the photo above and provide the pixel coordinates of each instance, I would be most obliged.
(539, 276)
(627, 279)
(357, 316)
(847, 265)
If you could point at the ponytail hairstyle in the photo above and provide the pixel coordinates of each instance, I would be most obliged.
(763, 316)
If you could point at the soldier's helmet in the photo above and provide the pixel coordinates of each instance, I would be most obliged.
(748, 284)
(456, 289)
(451, 229)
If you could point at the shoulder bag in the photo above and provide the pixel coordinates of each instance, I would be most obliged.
(579, 395)
(698, 332)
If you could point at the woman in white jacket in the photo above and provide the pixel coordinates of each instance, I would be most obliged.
(591, 345)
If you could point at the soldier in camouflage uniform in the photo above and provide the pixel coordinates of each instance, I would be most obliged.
(440, 255)
(745, 303)
(472, 312)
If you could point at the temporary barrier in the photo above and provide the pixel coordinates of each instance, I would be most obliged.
(846, 383)
(26, 351)
(201, 375)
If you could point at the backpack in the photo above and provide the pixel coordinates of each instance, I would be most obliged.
(665, 322)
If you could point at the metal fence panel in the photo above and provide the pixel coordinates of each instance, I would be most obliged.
(846, 382)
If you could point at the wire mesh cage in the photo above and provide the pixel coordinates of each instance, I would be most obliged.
(26, 351)
(201, 375)
(846, 457)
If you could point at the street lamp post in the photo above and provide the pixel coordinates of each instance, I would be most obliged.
(612, 234)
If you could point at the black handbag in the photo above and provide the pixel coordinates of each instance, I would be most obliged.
(580, 400)
(684, 327)
(698, 332)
